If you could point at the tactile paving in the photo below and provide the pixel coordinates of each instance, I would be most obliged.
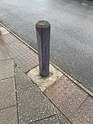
(84, 114)
(66, 95)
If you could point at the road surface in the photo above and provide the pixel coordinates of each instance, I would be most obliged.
(71, 33)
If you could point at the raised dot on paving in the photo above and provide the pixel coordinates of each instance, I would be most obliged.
(66, 95)
(84, 113)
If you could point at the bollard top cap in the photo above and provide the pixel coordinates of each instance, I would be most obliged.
(42, 24)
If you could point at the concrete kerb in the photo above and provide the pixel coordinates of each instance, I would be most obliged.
(62, 71)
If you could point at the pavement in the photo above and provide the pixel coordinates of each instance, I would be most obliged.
(22, 101)
(71, 31)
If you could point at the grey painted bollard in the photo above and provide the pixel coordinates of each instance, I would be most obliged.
(43, 40)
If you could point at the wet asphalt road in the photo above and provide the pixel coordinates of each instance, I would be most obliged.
(71, 34)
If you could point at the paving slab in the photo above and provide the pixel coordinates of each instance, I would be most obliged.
(6, 69)
(3, 55)
(8, 116)
(51, 120)
(13, 49)
(57, 119)
(63, 119)
(7, 93)
(22, 80)
(84, 114)
(66, 95)
(22, 55)
(33, 105)
(44, 83)
(7, 39)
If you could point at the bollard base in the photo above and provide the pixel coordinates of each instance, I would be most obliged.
(44, 82)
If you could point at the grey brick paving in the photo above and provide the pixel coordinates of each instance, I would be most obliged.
(7, 93)
(33, 105)
(51, 120)
(8, 116)
(6, 69)
(22, 80)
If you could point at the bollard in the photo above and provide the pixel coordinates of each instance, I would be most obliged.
(43, 40)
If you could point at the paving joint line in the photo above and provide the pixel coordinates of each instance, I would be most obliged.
(76, 109)
(26, 88)
(43, 94)
(57, 108)
(8, 107)
(81, 104)
(16, 97)
(58, 119)
(63, 115)
(6, 78)
(30, 80)
(43, 118)
(31, 68)
(75, 81)
(48, 99)
(65, 73)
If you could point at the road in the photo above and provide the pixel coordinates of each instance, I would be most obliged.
(71, 33)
